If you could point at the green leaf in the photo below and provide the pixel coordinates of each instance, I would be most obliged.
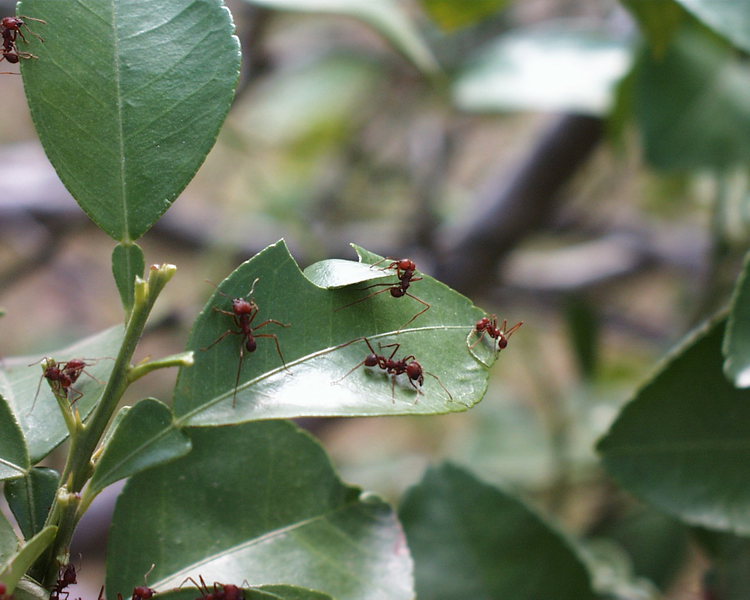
(583, 329)
(127, 264)
(128, 117)
(560, 68)
(145, 437)
(683, 442)
(454, 14)
(12, 571)
(692, 104)
(337, 273)
(264, 592)
(471, 540)
(14, 455)
(8, 540)
(257, 502)
(388, 17)
(730, 18)
(321, 346)
(31, 497)
(728, 575)
(737, 339)
(39, 415)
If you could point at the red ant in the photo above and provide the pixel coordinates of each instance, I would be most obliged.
(489, 326)
(10, 27)
(4, 595)
(243, 313)
(140, 592)
(405, 269)
(67, 577)
(61, 377)
(407, 365)
(222, 591)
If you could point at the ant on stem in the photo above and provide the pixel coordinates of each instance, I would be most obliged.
(62, 375)
(405, 270)
(488, 325)
(243, 313)
(407, 365)
(67, 576)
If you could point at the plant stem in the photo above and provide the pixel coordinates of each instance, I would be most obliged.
(77, 470)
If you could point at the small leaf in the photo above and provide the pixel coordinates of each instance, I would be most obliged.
(12, 571)
(737, 339)
(337, 273)
(145, 437)
(322, 344)
(683, 442)
(560, 68)
(450, 14)
(31, 497)
(128, 117)
(8, 540)
(127, 264)
(257, 502)
(14, 455)
(39, 415)
(387, 17)
(730, 18)
(471, 540)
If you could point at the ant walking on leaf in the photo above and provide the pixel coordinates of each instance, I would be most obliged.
(243, 313)
(500, 335)
(11, 30)
(408, 365)
(405, 270)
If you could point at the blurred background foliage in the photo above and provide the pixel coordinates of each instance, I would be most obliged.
(579, 165)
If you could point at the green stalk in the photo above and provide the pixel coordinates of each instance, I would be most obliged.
(65, 514)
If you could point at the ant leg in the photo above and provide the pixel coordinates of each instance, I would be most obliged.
(512, 330)
(78, 395)
(274, 321)
(397, 346)
(221, 337)
(450, 396)
(390, 285)
(349, 372)
(278, 348)
(479, 339)
(427, 307)
(237, 381)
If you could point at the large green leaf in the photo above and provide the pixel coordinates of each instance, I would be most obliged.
(31, 497)
(127, 97)
(144, 437)
(683, 442)
(692, 104)
(471, 540)
(39, 415)
(737, 338)
(13, 569)
(560, 68)
(388, 17)
(14, 455)
(322, 345)
(258, 503)
(729, 17)
(8, 540)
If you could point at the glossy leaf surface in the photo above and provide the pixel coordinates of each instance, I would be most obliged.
(127, 264)
(737, 338)
(683, 443)
(547, 69)
(128, 117)
(41, 422)
(471, 540)
(257, 502)
(144, 437)
(388, 17)
(14, 455)
(31, 497)
(321, 345)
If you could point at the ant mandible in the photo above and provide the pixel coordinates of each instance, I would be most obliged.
(243, 313)
(488, 325)
(407, 365)
(405, 270)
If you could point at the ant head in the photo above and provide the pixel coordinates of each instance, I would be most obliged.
(13, 23)
(502, 341)
(406, 264)
(371, 360)
(414, 371)
(143, 592)
(240, 306)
